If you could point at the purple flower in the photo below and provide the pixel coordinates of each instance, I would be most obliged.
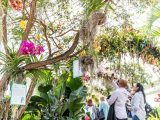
(29, 48)
(39, 49)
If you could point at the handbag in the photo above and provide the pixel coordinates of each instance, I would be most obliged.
(111, 113)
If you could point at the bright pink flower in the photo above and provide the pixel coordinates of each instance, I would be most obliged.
(86, 76)
(39, 49)
(29, 48)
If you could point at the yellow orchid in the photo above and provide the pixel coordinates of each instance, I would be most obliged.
(23, 24)
(38, 36)
(97, 49)
(96, 46)
(83, 53)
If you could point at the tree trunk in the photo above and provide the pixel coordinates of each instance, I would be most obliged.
(1, 109)
(4, 26)
(3, 81)
(1, 13)
(22, 109)
(30, 20)
(7, 107)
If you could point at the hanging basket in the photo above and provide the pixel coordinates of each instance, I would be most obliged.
(86, 62)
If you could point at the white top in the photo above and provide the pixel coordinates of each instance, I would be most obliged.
(120, 95)
(138, 106)
(91, 110)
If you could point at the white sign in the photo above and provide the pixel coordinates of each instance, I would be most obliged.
(77, 69)
(18, 94)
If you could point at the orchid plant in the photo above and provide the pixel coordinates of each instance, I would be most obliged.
(29, 48)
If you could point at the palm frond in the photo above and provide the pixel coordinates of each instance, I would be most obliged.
(92, 5)
(156, 32)
(155, 15)
(43, 76)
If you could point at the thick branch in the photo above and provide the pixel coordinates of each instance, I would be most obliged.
(30, 20)
(54, 60)
(78, 52)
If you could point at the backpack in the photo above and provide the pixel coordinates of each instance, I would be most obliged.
(101, 114)
(98, 113)
(148, 109)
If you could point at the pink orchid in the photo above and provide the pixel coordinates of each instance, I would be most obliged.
(39, 49)
(29, 48)
(86, 76)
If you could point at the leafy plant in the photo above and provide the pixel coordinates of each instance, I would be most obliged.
(58, 102)
(119, 42)
(155, 114)
(11, 63)
(92, 5)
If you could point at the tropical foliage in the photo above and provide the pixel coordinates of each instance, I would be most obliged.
(41, 38)
(118, 42)
(64, 100)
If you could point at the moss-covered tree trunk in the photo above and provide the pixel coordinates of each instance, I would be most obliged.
(5, 77)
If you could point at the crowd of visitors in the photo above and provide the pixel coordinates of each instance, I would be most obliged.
(122, 104)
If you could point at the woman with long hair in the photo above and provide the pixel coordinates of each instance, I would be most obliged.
(138, 103)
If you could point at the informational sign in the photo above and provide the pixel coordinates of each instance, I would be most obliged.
(18, 94)
(77, 69)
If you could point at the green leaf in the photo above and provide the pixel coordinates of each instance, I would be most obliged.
(64, 108)
(76, 105)
(29, 117)
(81, 92)
(74, 83)
(44, 88)
(37, 99)
(61, 85)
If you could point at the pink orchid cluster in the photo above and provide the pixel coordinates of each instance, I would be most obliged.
(86, 76)
(29, 48)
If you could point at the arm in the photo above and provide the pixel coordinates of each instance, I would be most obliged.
(114, 84)
(113, 98)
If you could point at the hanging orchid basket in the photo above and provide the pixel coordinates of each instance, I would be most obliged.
(87, 62)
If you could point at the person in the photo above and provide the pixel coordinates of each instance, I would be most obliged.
(103, 107)
(138, 103)
(91, 109)
(120, 97)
